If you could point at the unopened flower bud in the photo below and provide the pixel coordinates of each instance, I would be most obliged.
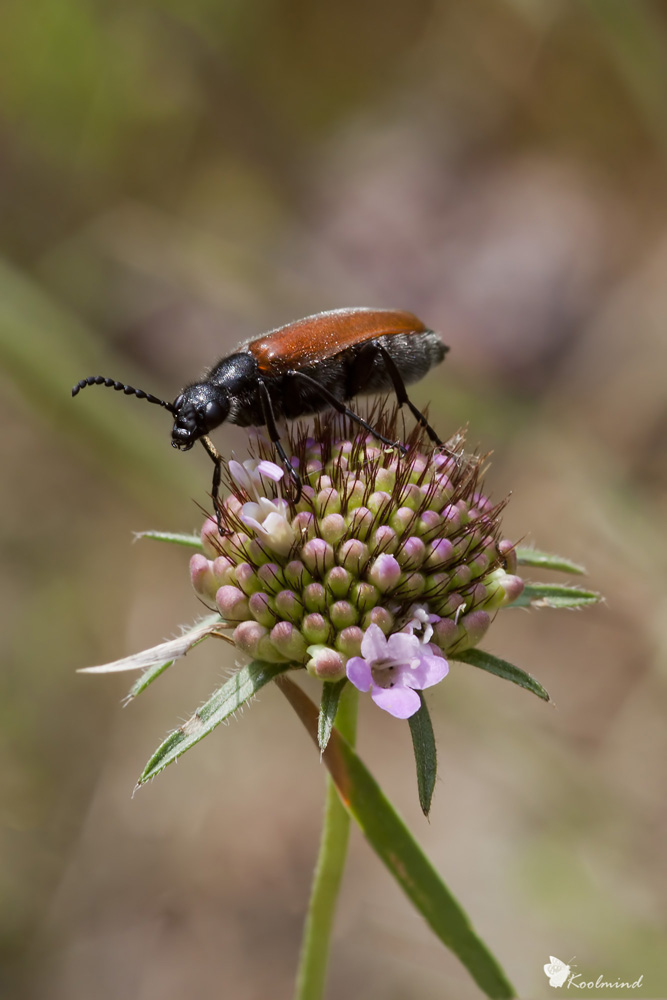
(343, 614)
(411, 554)
(333, 528)
(325, 663)
(288, 606)
(318, 556)
(339, 581)
(315, 597)
(261, 609)
(233, 604)
(385, 572)
(379, 616)
(202, 577)
(288, 641)
(315, 628)
(353, 555)
(348, 642)
(247, 579)
(271, 577)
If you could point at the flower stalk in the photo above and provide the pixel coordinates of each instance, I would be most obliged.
(329, 868)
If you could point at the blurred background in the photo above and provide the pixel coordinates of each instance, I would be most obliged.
(176, 177)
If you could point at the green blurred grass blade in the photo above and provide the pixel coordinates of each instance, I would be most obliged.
(502, 668)
(245, 683)
(423, 742)
(545, 560)
(395, 846)
(331, 692)
(45, 350)
(636, 39)
(549, 595)
(189, 541)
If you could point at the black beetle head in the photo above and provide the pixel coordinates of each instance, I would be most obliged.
(199, 409)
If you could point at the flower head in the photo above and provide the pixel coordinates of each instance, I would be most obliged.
(388, 562)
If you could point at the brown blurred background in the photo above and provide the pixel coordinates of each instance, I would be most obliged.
(175, 177)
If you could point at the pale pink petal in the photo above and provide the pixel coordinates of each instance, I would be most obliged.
(429, 671)
(401, 702)
(374, 644)
(359, 672)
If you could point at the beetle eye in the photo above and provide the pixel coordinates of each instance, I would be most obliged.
(178, 402)
(214, 414)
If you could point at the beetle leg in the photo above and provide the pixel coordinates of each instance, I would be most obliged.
(216, 458)
(402, 395)
(270, 421)
(345, 410)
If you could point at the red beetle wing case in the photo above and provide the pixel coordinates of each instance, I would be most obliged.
(315, 338)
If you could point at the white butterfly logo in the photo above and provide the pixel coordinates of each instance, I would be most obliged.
(556, 971)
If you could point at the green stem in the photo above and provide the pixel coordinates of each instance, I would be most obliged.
(328, 871)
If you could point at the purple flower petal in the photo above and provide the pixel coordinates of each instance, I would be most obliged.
(402, 647)
(374, 643)
(359, 672)
(429, 671)
(401, 702)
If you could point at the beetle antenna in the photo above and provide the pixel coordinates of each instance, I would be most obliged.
(121, 387)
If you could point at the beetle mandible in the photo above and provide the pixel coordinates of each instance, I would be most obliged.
(301, 368)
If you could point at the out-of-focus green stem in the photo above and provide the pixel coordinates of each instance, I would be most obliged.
(328, 873)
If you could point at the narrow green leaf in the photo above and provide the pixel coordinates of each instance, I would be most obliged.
(331, 692)
(546, 560)
(146, 679)
(550, 595)
(391, 840)
(501, 668)
(423, 742)
(192, 636)
(224, 702)
(190, 541)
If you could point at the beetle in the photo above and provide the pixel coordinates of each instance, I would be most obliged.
(301, 368)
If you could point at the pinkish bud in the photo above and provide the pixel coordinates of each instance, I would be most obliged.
(385, 539)
(315, 597)
(261, 609)
(272, 577)
(333, 528)
(379, 616)
(361, 522)
(318, 556)
(364, 596)
(315, 628)
(353, 555)
(248, 635)
(210, 538)
(507, 550)
(348, 642)
(288, 606)
(288, 641)
(385, 572)
(201, 575)
(325, 663)
(328, 500)
(342, 614)
(411, 554)
(233, 604)
(339, 581)
(296, 575)
(246, 578)
(474, 627)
